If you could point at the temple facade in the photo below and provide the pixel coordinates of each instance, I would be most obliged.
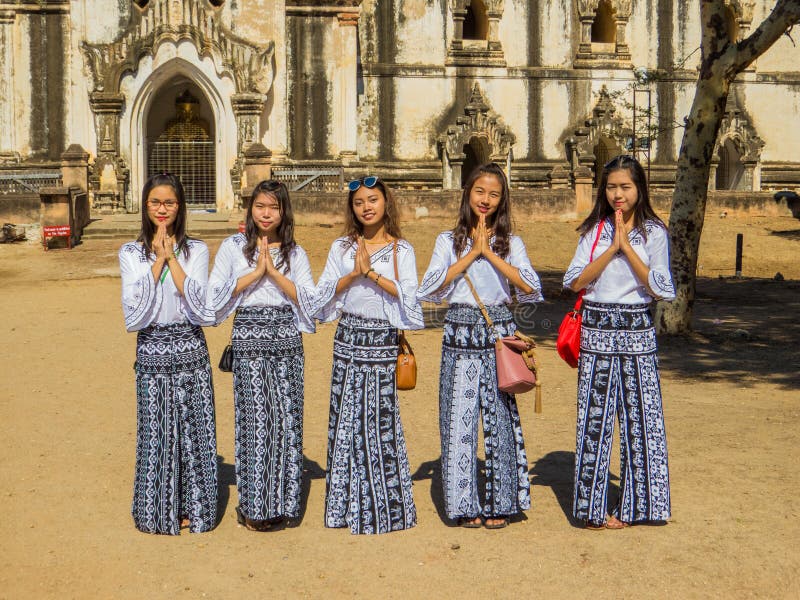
(418, 91)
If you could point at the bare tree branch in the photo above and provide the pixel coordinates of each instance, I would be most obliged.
(785, 14)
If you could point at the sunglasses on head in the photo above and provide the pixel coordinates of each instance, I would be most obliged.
(370, 181)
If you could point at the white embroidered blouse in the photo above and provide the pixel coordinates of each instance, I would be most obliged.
(230, 264)
(364, 297)
(146, 301)
(617, 284)
(490, 284)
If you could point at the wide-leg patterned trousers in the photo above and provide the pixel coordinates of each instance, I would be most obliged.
(176, 444)
(368, 480)
(468, 390)
(268, 402)
(618, 378)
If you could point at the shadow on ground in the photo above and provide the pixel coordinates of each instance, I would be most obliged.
(743, 328)
(556, 470)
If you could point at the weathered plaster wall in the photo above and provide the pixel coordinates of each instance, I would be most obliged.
(513, 32)
(311, 65)
(771, 108)
(784, 54)
(560, 32)
(419, 32)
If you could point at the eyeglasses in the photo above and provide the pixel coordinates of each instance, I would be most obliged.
(370, 181)
(155, 204)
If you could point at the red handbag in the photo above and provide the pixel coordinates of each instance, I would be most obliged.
(568, 343)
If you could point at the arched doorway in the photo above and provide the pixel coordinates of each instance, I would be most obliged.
(181, 140)
(730, 169)
(476, 153)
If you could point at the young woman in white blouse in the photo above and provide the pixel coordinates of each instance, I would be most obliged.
(259, 275)
(370, 284)
(481, 247)
(164, 274)
(618, 366)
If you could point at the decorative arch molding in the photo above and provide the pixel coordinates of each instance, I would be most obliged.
(173, 23)
(140, 91)
(612, 55)
(488, 52)
(604, 127)
(737, 128)
(479, 122)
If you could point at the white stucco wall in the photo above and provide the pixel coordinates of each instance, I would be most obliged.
(415, 135)
(774, 110)
(555, 97)
(420, 33)
(513, 32)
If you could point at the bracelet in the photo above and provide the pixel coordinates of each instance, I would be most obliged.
(378, 278)
(366, 275)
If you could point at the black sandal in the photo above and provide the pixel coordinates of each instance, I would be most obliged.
(250, 524)
(469, 522)
(501, 524)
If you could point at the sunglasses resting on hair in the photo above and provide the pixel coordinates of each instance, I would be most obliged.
(368, 181)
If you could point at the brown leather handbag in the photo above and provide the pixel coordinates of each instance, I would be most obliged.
(406, 371)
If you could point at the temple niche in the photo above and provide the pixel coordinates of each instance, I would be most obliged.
(736, 162)
(603, 135)
(476, 137)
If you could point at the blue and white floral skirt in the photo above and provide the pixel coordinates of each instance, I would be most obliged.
(618, 379)
(368, 481)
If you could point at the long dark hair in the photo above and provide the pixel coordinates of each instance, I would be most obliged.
(642, 212)
(500, 220)
(148, 229)
(353, 228)
(285, 231)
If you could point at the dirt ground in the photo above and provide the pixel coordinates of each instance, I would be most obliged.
(67, 425)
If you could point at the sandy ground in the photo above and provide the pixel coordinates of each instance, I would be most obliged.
(67, 424)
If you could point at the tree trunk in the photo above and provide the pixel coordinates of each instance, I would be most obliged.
(689, 199)
(722, 59)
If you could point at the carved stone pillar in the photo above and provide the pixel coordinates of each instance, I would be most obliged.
(247, 108)
(712, 174)
(751, 180)
(585, 46)
(458, 28)
(257, 168)
(75, 168)
(109, 179)
(456, 166)
(582, 184)
(558, 177)
(7, 153)
(622, 50)
(494, 30)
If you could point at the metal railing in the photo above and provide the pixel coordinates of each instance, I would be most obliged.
(311, 180)
(28, 182)
(193, 163)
